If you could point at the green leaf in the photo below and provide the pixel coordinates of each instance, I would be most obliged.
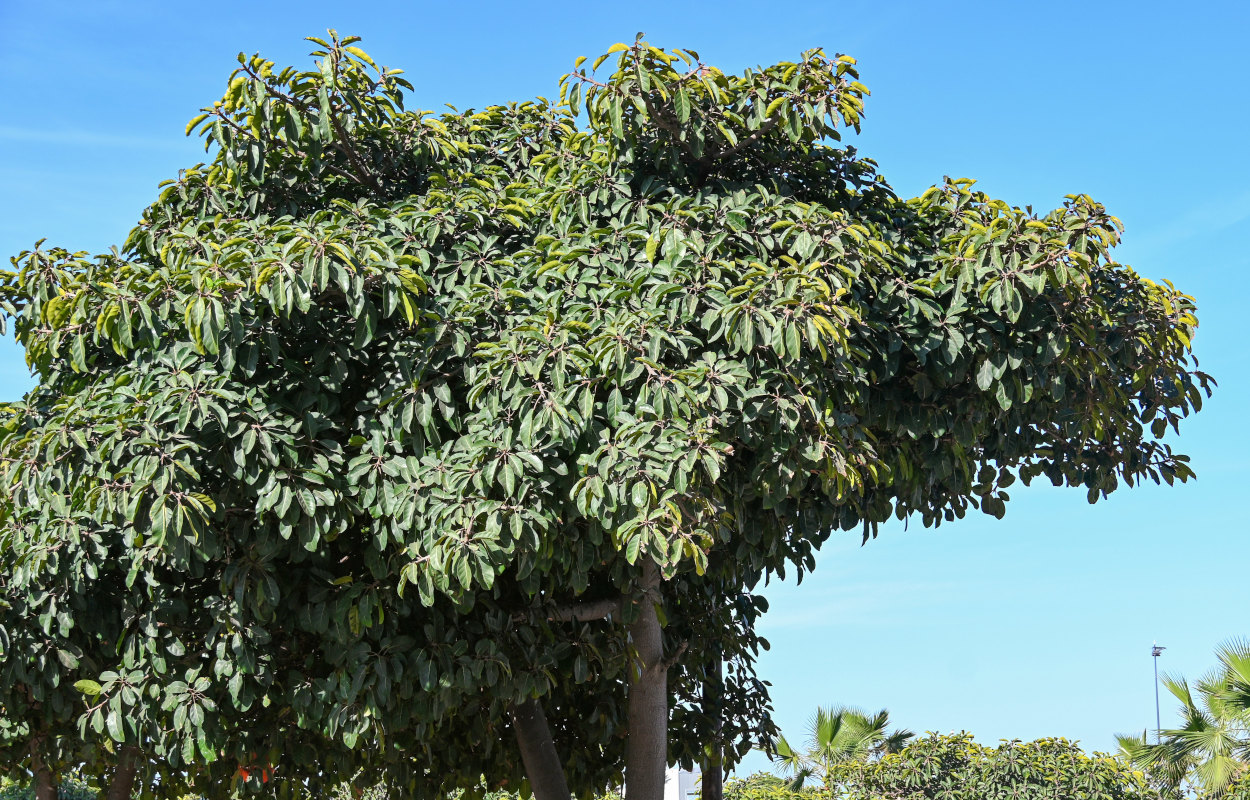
(87, 687)
(195, 121)
(113, 722)
(361, 54)
(640, 494)
(985, 375)
(615, 116)
(632, 548)
(681, 105)
(653, 244)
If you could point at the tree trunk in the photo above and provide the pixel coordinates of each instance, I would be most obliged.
(123, 783)
(646, 749)
(45, 781)
(711, 785)
(538, 752)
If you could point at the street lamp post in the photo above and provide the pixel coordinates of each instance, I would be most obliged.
(1156, 650)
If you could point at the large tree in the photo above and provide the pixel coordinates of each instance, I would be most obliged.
(433, 447)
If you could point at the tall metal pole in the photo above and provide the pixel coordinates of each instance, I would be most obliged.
(1156, 650)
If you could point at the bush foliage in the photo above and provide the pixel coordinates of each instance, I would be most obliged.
(954, 767)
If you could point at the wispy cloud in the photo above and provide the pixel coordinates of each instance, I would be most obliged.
(1206, 218)
(81, 138)
(857, 603)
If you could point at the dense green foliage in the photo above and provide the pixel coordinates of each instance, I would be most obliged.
(957, 768)
(763, 786)
(323, 462)
(954, 767)
(1209, 752)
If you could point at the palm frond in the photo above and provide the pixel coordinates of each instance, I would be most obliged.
(1215, 774)
(1179, 687)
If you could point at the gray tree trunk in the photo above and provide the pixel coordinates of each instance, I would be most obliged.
(538, 752)
(45, 781)
(123, 783)
(646, 749)
(711, 785)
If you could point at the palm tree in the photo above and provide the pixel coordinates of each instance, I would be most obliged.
(1210, 750)
(1234, 656)
(838, 736)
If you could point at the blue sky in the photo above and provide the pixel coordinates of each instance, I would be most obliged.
(1037, 625)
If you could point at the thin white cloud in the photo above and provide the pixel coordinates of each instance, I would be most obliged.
(91, 139)
(1206, 218)
(853, 604)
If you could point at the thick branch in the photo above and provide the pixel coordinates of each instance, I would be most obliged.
(672, 127)
(584, 612)
(343, 145)
(574, 612)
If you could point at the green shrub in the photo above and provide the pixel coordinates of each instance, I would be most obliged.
(763, 786)
(71, 788)
(957, 768)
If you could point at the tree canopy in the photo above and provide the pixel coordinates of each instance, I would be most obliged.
(388, 435)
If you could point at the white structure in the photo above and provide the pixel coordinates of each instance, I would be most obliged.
(680, 785)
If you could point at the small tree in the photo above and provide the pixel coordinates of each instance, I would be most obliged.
(838, 736)
(388, 432)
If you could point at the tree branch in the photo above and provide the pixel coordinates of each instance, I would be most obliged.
(344, 146)
(747, 142)
(239, 129)
(672, 660)
(575, 612)
(584, 612)
(341, 143)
